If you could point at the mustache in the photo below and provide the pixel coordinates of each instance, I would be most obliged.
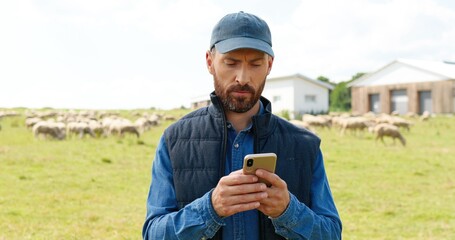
(244, 88)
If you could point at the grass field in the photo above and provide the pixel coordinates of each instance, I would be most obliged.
(96, 188)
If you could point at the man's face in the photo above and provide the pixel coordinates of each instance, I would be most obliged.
(239, 77)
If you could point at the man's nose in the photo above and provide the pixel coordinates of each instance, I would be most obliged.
(243, 76)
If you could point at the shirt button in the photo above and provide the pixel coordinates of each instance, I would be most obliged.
(236, 145)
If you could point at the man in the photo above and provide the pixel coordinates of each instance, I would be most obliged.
(198, 190)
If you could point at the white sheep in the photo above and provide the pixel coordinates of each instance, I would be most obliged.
(400, 122)
(129, 129)
(299, 123)
(8, 114)
(354, 124)
(316, 121)
(30, 122)
(302, 124)
(46, 128)
(383, 118)
(96, 128)
(155, 119)
(80, 129)
(122, 126)
(411, 115)
(425, 116)
(389, 130)
(143, 124)
(114, 125)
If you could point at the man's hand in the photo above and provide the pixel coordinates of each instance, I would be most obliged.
(277, 195)
(238, 192)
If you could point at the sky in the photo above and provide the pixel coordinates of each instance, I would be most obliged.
(127, 54)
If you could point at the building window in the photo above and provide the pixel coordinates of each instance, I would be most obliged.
(310, 98)
(276, 99)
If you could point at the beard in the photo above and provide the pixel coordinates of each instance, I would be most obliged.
(237, 104)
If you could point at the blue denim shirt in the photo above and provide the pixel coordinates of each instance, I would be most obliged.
(198, 220)
(243, 225)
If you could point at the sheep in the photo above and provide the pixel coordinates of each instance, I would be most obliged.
(302, 124)
(80, 128)
(46, 128)
(30, 122)
(394, 120)
(369, 115)
(60, 125)
(122, 126)
(411, 115)
(383, 118)
(47, 114)
(155, 119)
(96, 128)
(143, 124)
(400, 122)
(337, 120)
(8, 114)
(316, 121)
(169, 118)
(114, 126)
(425, 116)
(129, 129)
(385, 129)
(106, 123)
(353, 124)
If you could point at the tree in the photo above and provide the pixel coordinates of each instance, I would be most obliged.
(357, 75)
(340, 97)
(324, 79)
(327, 80)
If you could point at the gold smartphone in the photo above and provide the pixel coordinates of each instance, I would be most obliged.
(266, 161)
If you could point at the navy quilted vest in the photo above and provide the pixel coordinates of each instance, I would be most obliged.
(196, 145)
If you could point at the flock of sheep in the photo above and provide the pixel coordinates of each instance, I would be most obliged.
(61, 125)
(382, 125)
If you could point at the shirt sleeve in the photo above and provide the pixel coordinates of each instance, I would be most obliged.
(318, 221)
(197, 220)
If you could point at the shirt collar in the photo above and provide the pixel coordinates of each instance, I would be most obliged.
(260, 112)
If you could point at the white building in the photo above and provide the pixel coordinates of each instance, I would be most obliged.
(297, 94)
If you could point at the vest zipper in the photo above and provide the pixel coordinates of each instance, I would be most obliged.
(224, 147)
(256, 150)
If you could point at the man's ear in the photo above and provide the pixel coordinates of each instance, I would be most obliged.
(209, 61)
(270, 60)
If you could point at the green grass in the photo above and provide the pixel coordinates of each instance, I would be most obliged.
(394, 192)
(97, 188)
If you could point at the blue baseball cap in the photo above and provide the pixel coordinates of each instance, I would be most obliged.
(241, 30)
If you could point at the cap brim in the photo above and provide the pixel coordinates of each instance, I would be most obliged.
(232, 44)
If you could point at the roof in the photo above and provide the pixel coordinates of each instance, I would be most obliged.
(439, 69)
(302, 77)
(444, 68)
